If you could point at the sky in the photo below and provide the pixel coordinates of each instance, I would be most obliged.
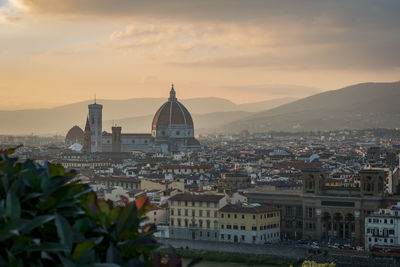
(54, 52)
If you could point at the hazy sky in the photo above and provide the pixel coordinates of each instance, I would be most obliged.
(61, 51)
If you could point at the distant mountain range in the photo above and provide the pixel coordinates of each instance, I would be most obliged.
(360, 106)
(134, 115)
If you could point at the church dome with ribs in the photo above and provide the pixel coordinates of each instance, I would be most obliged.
(75, 135)
(172, 120)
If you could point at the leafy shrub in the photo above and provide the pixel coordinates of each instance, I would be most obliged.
(48, 219)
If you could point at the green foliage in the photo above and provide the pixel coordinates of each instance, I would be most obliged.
(48, 219)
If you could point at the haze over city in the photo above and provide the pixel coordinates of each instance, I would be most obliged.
(200, 133)
(60, 52)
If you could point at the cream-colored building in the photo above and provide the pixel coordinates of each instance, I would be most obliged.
(195, 216)
(249, 223)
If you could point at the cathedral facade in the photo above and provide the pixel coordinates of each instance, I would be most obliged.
(172, 131)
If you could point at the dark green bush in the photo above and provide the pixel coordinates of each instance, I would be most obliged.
(48, 219)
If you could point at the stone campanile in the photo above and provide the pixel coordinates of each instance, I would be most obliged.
(95, 122)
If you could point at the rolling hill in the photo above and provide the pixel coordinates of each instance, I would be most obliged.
(133, 114)
(360, 106)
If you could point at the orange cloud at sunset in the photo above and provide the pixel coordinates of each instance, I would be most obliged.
(55, 52)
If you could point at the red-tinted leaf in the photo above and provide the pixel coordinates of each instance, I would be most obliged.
(141, 201)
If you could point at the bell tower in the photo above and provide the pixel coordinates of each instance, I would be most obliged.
(314, 180)
(372, 182)
(95, 122)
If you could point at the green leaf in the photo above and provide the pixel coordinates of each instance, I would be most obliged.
(64, 231)
(82, 248)
(113, 255)
(82, 225)
(66, 262)
(13, 207)
(36, 222)
(49, 247)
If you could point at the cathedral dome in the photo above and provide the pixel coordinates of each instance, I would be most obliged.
(75, 135)
(172, 119)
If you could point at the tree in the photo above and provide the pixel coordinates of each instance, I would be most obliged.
(49, 219)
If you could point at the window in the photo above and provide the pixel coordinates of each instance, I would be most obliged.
(242, 216)
(235, 226)
(208, 214)
(179, 212)
(186, 223)
(179, 222)
(228, 226)
(172, 212)
(235, 216)
(215, 205)
(215, 224)
(201, 223)
(243, 227)
(229, 215)
(186, 212)
(254, 217)
(200, 204)
(200, 213)
(178, 133)
(254, 228)
(193, 212)
(222, 236)
(186, 203)
(222, 226)
(172, 202)
(243, 238)
(172, 222)
(215, 214)
(229, 237)
(254, 238)
(310, 212)
(222, 215)
(208, 224)
(179, 203)
(208, 204)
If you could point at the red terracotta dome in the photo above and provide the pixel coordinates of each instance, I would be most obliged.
(172, 114)
(75, 134)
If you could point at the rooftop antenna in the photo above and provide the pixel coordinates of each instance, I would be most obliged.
(95, 98)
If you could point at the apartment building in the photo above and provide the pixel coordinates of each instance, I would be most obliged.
(195, 216)
(249, 223)
(382, 228)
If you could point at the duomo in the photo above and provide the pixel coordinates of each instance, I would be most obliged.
(172, 130)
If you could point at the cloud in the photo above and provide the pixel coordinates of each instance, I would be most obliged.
(374, 55)
(11, 10)
(289, 35)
